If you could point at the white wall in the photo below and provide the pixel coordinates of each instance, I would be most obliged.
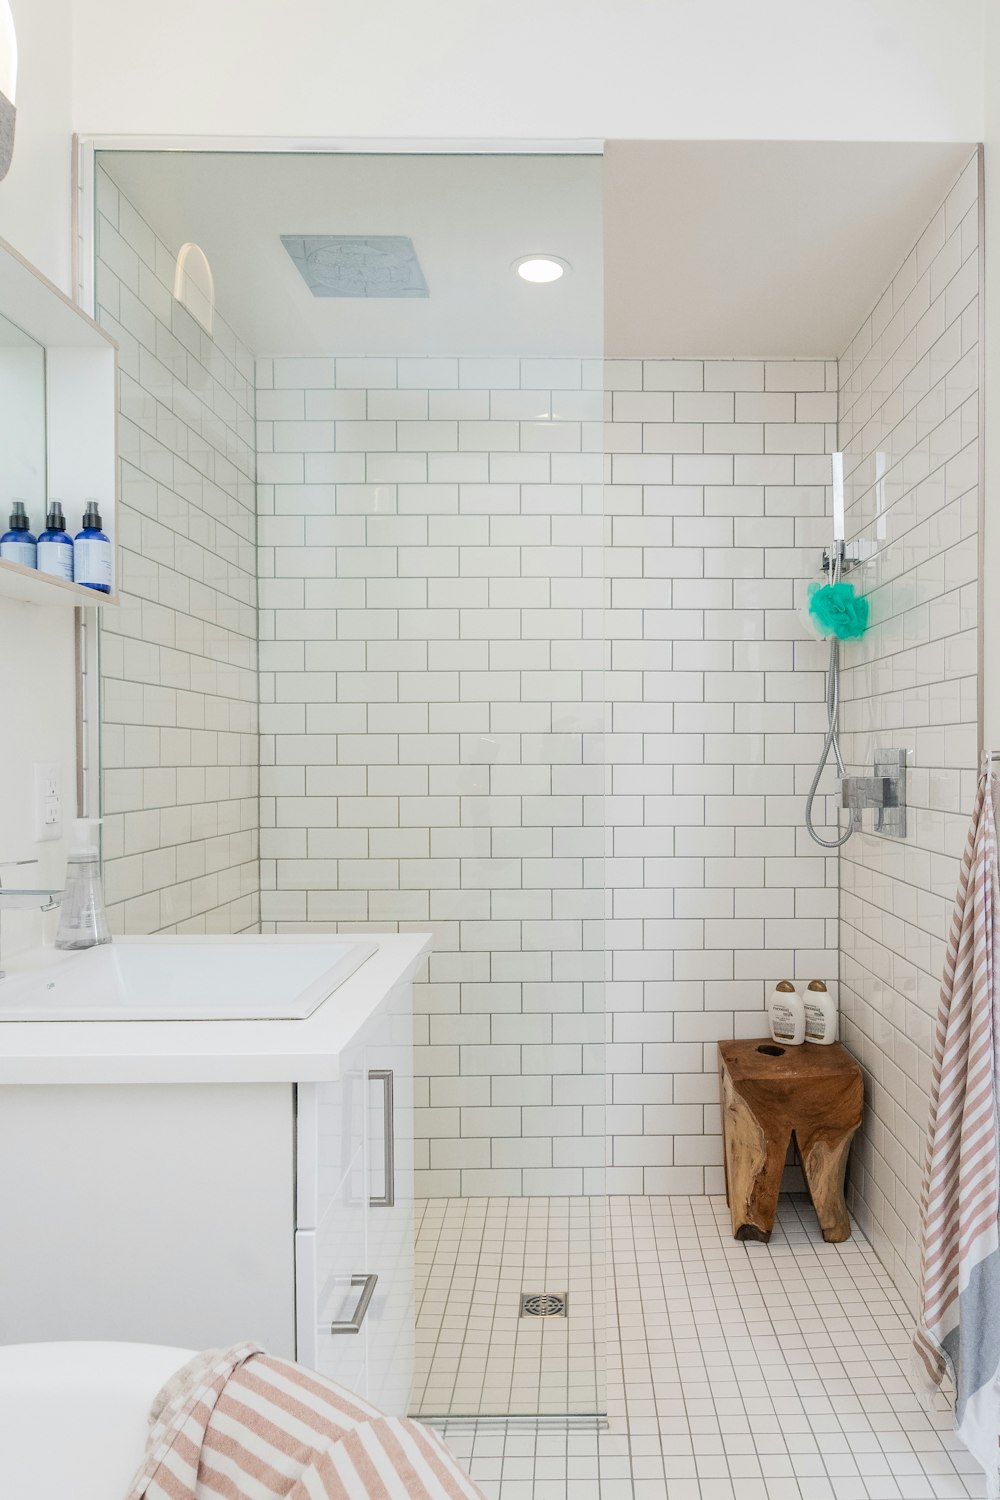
(22, 401)
(909, 420)
(38, 720)
(35, 194)
(779, 69)
(37, 723)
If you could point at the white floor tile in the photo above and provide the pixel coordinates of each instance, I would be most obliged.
(734, 1371)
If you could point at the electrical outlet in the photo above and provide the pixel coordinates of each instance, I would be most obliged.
(48, 802)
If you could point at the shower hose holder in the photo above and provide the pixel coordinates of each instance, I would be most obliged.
(837, 563)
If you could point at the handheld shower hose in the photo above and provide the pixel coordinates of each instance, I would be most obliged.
(832, 741)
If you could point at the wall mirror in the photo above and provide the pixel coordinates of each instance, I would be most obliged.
(22, 422)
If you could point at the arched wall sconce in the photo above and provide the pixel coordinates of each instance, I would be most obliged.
(194, 284)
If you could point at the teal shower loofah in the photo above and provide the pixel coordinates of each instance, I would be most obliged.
(838, 610)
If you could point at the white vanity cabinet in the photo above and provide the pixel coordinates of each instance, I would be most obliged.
(354, 1214)
(199, 1184)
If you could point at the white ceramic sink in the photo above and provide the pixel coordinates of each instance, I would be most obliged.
(183, 979)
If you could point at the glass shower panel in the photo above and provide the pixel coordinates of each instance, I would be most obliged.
(438, 450)
(415, 431)
(461, 597)
(512, 1225)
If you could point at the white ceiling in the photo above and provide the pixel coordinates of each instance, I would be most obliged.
(708, 247)
(469, 218)
(759, 247)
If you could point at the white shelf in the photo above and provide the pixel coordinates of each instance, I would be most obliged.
(81, 379)
(38, 306)
(31, 587)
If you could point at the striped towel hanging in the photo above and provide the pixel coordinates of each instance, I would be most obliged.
(959, 1328)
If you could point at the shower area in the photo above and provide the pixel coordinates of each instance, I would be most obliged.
(462, 603)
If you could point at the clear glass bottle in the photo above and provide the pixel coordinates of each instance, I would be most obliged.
(83, 921)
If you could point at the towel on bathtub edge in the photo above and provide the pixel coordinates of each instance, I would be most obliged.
(240, 1424)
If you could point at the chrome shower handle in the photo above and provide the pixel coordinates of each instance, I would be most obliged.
(870, 791)
(885, 791)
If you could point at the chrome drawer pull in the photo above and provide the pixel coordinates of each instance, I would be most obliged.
(353, 1325)
(388, 1199)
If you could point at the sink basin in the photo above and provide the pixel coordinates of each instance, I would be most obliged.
(184, 979)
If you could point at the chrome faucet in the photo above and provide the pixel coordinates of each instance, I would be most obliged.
(23, 898)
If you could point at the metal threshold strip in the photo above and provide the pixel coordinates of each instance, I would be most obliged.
(596, 1422)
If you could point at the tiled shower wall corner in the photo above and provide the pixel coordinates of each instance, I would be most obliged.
(179, 655)
(431, 650)
(431, 617)
(435, 688)
(719, 497)
(909, 425)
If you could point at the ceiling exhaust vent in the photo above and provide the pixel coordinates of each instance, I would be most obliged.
(357, 265)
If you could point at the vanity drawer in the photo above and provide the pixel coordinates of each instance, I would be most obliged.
(354, 1214)
(330, 1273)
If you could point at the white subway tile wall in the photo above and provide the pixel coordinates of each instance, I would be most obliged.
(909, 426)
(179, 656)
(430, 555)
(532, 675)
(718, 501)
(432, 544)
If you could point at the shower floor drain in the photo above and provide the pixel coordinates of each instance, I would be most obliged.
(543, 1304)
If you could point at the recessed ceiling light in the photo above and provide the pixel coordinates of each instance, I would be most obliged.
(540, 268)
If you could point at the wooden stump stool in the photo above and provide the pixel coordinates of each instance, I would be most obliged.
(768, 1092)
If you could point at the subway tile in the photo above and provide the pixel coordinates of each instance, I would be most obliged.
(794, 375)
(427, 374)
(365, 374)
(489, 374)
(734, 375)
(672, 375)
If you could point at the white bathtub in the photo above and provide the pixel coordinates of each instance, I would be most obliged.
(73, 1417)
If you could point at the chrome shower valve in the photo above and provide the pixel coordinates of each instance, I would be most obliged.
(885, 791)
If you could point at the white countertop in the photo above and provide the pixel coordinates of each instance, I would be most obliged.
(236, 1051)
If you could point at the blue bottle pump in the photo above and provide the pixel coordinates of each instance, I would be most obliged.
(55, 545)
(19, 544)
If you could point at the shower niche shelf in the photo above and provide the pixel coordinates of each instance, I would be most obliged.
(58, 421)
(31, 587)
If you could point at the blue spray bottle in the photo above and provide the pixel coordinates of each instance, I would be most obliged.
(92, 552)
(55, 545)
(18, 544)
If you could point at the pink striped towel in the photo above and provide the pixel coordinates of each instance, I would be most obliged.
(959, 1328)
(236, 1424)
